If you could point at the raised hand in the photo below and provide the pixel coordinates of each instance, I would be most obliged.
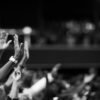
(17, 46)
(55, 69)
(25, 55)
(3, 40)
(26, 50)
(88, 78)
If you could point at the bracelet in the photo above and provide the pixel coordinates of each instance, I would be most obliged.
(13, 59)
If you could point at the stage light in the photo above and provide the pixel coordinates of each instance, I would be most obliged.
(27, 30)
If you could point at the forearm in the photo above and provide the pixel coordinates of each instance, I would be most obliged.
(4, 71)
(23, 61)
(80, 87)
(39, 86)
(9, 81)
(14, 91)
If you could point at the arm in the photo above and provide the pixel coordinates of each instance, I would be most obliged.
(3, 40)
(8, 66)
(16, 84)
(4, 71)
(41, 84)
(17, 74)
(14, 91)
(25, 55)
(86, 80)
(16, 77)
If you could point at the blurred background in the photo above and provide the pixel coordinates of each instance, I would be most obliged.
(58, 31)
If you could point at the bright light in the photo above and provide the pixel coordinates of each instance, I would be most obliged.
(27, 30)
(89, 26)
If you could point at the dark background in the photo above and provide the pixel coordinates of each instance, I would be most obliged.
(39, 12)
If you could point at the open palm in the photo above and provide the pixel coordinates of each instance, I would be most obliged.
(3, 39)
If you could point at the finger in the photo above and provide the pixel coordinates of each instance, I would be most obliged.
(16, 42)
(27, 53)
(26, 48)
(57, 66)
(8, 43)
(21, 48)
(26, 45)
(21, 45)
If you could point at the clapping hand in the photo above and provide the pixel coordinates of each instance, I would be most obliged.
(17, 46)
(25, 55)
(88, 78)
(26, 50)
(3, 40)
(55, 69)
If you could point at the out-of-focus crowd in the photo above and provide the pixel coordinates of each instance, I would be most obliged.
(17, 82)
(80, 87)
(70, 33)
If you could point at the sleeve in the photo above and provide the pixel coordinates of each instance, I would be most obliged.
(38, 87)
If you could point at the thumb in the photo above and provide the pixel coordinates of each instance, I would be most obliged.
(7, 44)
(56, 67)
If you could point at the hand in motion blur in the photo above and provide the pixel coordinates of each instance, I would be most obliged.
(26, 50)
(88, 78)
(16, 84)
(25, 55)
(55, 70)
(17, 46)
(3, 40)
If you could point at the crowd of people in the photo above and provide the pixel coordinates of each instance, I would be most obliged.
(70, 33)
(17, 82)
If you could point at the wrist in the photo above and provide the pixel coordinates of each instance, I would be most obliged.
(15, 84)
(13, 59)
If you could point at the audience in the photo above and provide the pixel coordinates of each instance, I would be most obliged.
(17, 82)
